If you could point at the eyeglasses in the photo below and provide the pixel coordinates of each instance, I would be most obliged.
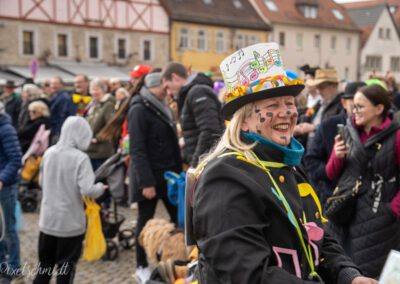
(358, 108)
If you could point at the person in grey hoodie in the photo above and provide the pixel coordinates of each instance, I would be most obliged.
(66, 176)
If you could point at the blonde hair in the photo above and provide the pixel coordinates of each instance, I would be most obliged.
(40, 107)
(231, 140)
(123, 91)
(33, 91)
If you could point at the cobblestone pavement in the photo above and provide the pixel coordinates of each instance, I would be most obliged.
(118, 271)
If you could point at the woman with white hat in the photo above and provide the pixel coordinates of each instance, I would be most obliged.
(256, 219)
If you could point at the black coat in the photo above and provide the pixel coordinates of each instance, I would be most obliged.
(318, 154)
(373, 229)
(27, 133)
(243, 231)
(154, 147)
(200, 118)
(13, 107)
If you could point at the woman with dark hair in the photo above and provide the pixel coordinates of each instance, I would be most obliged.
(366, 157)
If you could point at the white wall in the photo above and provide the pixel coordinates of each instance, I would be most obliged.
(340, 58)
(386, 48)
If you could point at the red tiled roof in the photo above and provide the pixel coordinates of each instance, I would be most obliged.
(219, 12)
(371, 3)
(288, 13)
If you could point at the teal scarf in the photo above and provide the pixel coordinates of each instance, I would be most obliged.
(292, 153)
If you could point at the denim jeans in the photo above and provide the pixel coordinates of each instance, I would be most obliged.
(9, 247)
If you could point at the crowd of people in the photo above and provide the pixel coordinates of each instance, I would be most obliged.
(267, 152)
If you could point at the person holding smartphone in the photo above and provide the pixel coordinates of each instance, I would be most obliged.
(368, 153)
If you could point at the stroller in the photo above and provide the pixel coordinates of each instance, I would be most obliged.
(113, 172)
(29, 188)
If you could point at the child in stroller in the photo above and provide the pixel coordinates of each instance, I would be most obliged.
(112, 172)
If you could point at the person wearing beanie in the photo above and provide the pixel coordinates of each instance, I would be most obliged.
(10, 163)
(154, 149)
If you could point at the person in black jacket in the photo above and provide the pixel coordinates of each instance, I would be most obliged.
(198, 107)
(256, 218)
(327, 83)
(320, 147)
(12, 102)
(38, 114)
(154, 149)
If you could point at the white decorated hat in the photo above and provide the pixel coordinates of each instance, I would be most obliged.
(255, 73)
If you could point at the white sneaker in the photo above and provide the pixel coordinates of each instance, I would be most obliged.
(142, 274)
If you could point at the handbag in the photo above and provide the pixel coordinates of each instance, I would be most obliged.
(95, 243)
(340, 206)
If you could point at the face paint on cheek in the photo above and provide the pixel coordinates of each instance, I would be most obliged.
(262, 119)
(258, 130)
(269, 114)
(256, 110)
(288, 113)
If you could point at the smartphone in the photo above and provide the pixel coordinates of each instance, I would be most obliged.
(340, 130)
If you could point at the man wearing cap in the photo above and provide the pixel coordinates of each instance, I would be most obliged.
(12, 102)
(154, 150)
(10, 163)
(326, 81)
(198, 107)
(320, 147)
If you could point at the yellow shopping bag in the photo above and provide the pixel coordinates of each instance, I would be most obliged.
(95, 244)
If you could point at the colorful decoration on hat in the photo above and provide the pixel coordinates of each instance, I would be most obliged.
(253, 69)
(375, 81)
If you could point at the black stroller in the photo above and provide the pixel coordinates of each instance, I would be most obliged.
(29, 188)
(112, 172)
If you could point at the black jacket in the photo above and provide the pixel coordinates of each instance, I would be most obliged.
(27, 133)
(200, 118)
(370, 235)
(243, 231)
(154, 146)
(13, 107)
(318, 155)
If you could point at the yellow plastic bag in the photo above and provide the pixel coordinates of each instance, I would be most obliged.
(95, 244)
(30, 170)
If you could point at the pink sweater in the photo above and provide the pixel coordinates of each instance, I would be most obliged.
(335, 165)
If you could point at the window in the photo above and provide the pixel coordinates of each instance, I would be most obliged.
(62, 45)
(309, 11)
(240, 41)
(237, 4)
(184, 39)
(282, 39)
(253, 40)
(93, 47)
(28, 39)
(271, 5)
(317, 41)
(338, 14)
(388, 33)
(299, 40)
(373, 63)
(381, 33)
(147, 54)
(333, 42)
(348, 44)
(220, 46)
(395, 64)
(202, 40)
(121, 48)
